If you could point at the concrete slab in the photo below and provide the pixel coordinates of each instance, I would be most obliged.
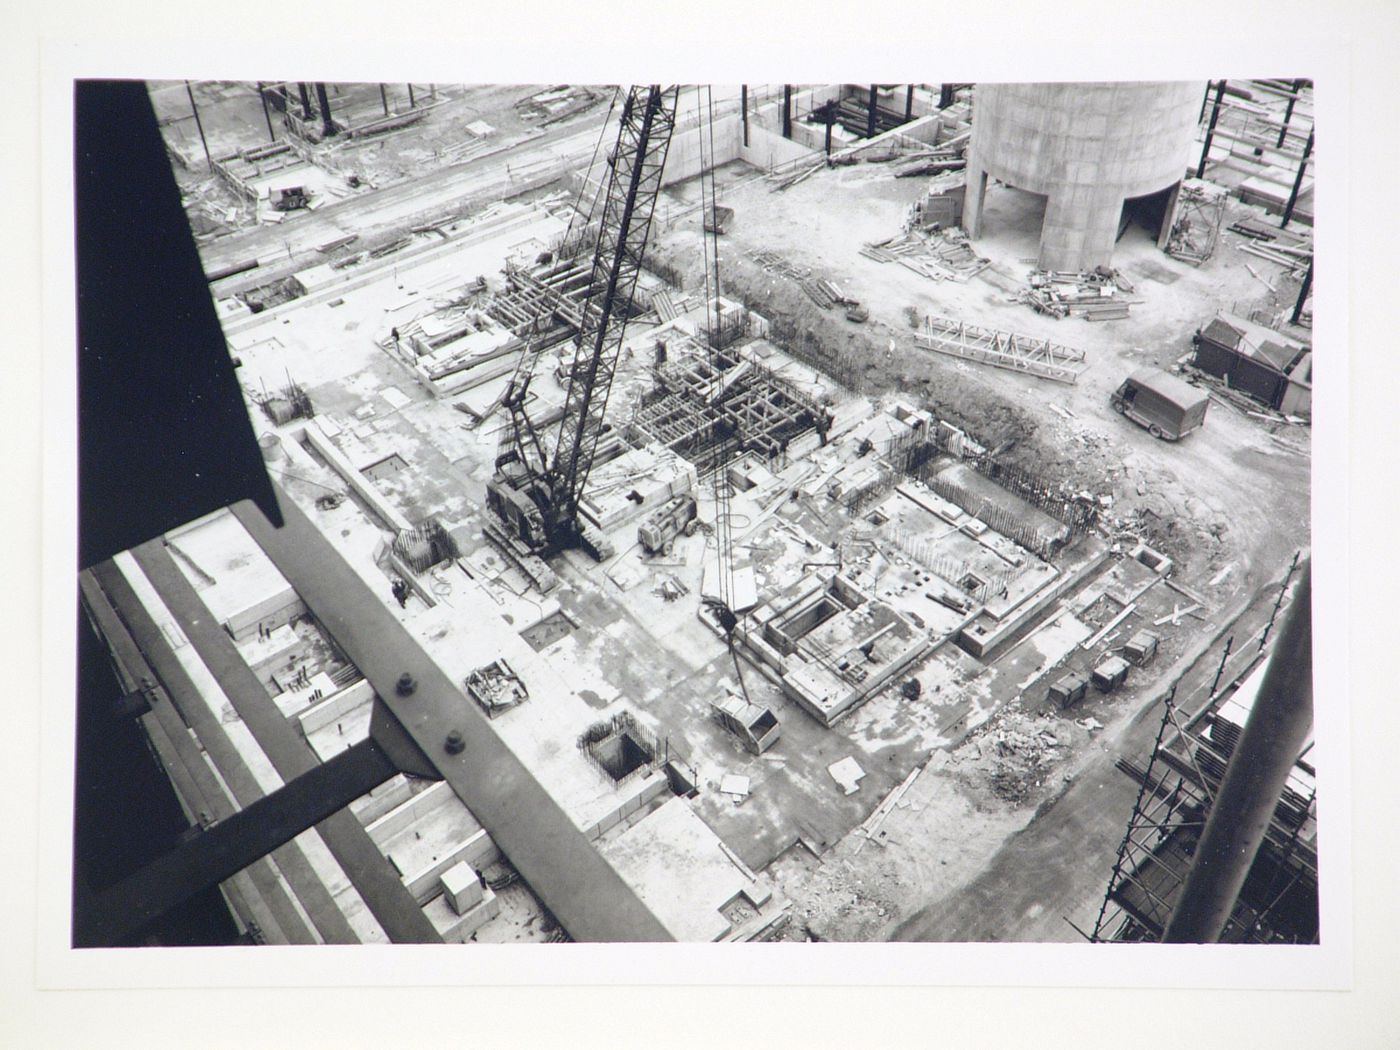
(683, 873)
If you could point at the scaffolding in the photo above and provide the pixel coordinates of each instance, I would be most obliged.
(1176, 788)
(1195, 221)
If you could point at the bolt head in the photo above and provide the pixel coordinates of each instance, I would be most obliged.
(454, 743)
(405, 685)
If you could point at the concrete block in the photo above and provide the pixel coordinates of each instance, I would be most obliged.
(462, 888)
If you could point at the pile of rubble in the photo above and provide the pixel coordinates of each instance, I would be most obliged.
(1017, 754)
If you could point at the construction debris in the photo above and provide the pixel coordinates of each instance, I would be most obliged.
(1093, 295)
(940, 255)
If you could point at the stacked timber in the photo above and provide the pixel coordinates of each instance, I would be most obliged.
(940, 255)
(1093, 295)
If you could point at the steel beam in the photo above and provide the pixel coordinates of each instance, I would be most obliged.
(562, 866)
(116, 915)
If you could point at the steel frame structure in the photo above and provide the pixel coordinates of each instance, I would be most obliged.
(1177, 790)
(1015, 353)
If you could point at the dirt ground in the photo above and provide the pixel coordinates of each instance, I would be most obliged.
(1235, 492)
(1029, 805)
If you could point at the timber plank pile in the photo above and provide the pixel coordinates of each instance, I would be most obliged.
(1291, 251)
(1095, 295)
(943, 255)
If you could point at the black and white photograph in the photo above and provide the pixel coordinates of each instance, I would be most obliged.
(579, 530)
(843, 512)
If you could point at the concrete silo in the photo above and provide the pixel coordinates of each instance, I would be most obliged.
(1087, 148)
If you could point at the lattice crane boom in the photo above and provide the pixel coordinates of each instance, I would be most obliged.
(538, 483)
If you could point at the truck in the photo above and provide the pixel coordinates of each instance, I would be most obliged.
(659, 531)
(1168, 407)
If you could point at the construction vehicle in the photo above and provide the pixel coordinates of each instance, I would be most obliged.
(659, 531)
(291, 199)
(540, 474)
(756, 726)
(1168, 407)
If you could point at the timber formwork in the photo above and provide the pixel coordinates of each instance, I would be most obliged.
(989, 346)
(1177, 786)
(732, 406)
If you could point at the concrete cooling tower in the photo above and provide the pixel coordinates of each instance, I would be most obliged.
(1087, 148)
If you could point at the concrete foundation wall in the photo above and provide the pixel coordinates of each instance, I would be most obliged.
(768, 149)
(683, 157)
(1087, 148)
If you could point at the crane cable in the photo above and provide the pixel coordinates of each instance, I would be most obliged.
(722, 607)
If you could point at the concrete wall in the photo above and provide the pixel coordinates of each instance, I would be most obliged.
(683, 156)
(768, 149)
(1087, 148)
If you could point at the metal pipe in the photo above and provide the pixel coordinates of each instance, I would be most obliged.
(787, 111)
(909, 105)
(744, 111)
(1210, 131)
(305, 100)
(1298, 181)
(870, 114)
(411, 103)
(384, 98)
(1254, 781)
(946, 95)
(198, 124)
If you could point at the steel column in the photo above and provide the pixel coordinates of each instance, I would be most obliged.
(1288, 113)
(1210, 131)
(744, 111)
(1302, 295)
(1273, 736)
(267, 113)
(327, 124)
(870, 113)
(1298, 181)
(787, 111)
